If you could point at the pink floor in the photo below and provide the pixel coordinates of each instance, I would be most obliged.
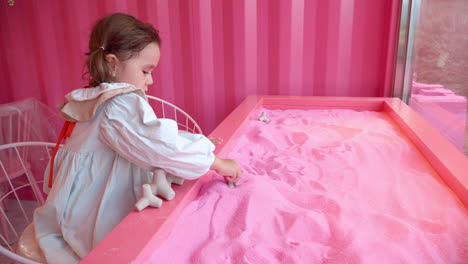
(323, 186)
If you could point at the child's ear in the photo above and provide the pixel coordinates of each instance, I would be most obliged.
(112, 60)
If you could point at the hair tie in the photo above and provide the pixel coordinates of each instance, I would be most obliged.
(103, 49)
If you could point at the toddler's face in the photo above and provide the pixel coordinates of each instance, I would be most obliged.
(137, 70)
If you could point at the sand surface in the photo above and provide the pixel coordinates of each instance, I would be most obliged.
(322, 186)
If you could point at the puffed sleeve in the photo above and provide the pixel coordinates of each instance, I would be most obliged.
(131, 128)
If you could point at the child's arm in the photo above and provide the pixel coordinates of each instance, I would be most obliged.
(131, 128)
(227, 168)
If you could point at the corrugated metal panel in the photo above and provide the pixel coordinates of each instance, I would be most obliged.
(214, 53)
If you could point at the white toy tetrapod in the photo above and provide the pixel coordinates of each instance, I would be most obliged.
(161, 185)
(264, 118)
(148, 198)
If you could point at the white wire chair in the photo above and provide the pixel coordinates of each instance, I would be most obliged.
(16, 204)
(15, 126)
(27, 120)
(164, 109)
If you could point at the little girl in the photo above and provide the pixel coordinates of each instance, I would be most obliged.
(97, 175)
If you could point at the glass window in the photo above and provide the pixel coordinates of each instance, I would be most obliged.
(439, 68)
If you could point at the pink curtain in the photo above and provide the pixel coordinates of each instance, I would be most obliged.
(214, 53)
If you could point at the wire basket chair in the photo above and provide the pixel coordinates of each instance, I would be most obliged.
(164, 109)
(16, 203)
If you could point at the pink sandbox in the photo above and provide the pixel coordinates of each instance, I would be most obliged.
(373, 185)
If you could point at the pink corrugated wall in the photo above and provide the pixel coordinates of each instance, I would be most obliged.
(214, 52)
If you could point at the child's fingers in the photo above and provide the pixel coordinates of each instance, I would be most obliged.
(236, 178)
(230, 179)
(233, 178)
(216, 141)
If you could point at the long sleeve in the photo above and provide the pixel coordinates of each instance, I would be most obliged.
(131, 128)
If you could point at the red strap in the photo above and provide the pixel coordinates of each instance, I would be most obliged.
(67, 129)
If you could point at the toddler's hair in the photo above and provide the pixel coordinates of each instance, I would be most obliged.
(119, 34)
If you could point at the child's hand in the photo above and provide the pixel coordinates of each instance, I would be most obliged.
(231, 171)
(216, 141)
(228, 169)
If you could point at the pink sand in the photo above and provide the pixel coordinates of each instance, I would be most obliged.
(322, 186)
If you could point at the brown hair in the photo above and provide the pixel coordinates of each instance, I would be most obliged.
(119, 34)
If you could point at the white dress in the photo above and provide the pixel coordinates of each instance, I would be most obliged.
(99, 172)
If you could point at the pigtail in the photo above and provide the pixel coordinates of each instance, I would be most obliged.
(99, 69)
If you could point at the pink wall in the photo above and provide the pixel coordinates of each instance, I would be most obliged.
(214, 53)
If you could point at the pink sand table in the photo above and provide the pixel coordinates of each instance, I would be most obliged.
(142, 235)
(322, 186)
